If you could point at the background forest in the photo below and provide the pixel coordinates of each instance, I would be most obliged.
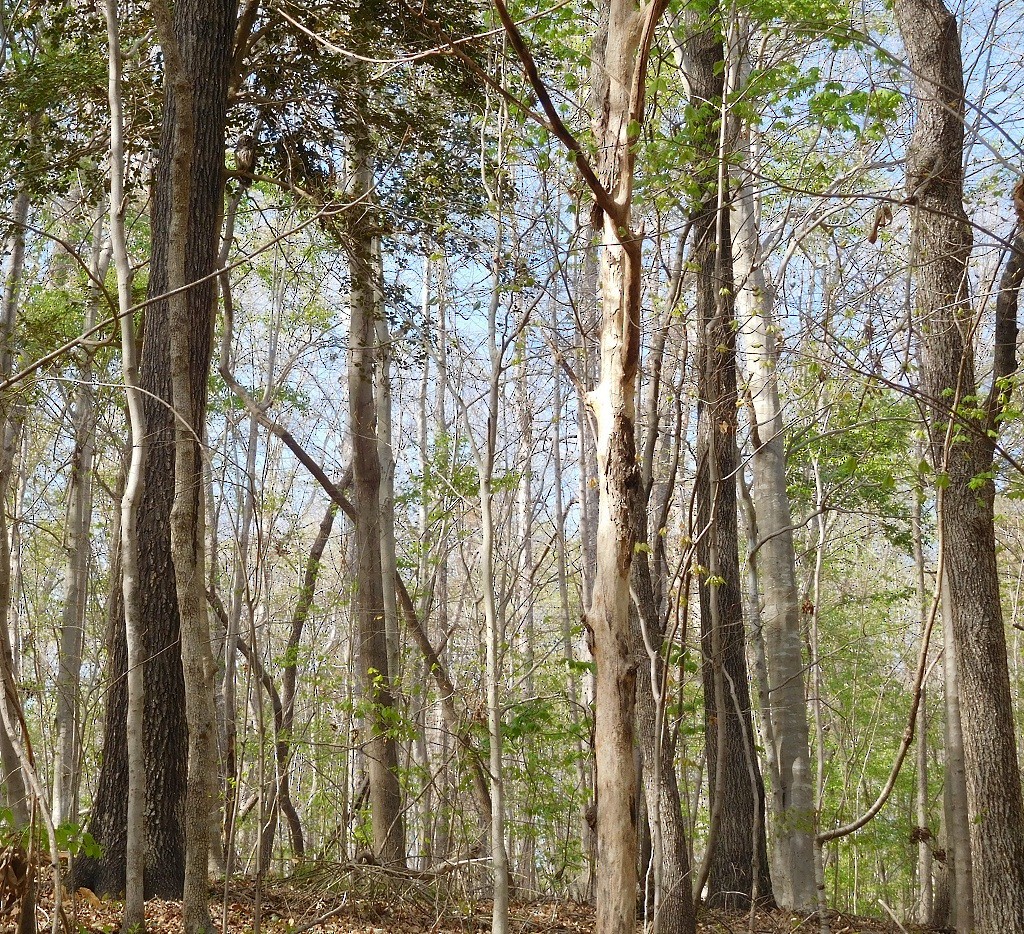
(417, 417)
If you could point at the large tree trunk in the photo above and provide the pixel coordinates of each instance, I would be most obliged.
(204, 31)
(962, 431)
(379, 747)
(620, 54)
(197, 47)
(739, 858)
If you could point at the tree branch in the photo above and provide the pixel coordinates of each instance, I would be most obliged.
(1005, 351)
(601, 195)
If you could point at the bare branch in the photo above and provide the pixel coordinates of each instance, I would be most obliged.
(601, 195)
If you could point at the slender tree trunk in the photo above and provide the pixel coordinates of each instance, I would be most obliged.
(386, 451)
(67, 743)
(775, 555)
(135, 826)
(240, 580)
(565, 613)
(286, 737)
(959, 861)
(673, 907)
(495, 642)
(15, 790)
(924, 846)
(428, 825)
(588, 495)
(962, 450)
(528, 873)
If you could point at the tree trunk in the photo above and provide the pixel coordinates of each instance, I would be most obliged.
(204, 32)
(128, 563)
(959, 864)
(68, 728)
(620, 54)
(962, 450)
(739, 857)
(925, 888)
(672, 890)
(379, 746)
(525, 507)
(15, 790)
(793, 800)
(197, 47)
(285, 736)
(565, 612)
(386, 450)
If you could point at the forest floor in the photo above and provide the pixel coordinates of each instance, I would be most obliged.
(297, 908)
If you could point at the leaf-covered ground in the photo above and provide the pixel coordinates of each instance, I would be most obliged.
(294, 908)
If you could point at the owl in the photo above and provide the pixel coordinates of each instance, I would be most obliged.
(245, 158)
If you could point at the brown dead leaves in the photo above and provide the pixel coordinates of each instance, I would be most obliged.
(289, 910)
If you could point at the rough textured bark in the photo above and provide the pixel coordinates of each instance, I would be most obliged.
(739, 858)
(379, 747)
(620, 52)
(196, 45)
(613, 405)
(204, 31)
(962, 430)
